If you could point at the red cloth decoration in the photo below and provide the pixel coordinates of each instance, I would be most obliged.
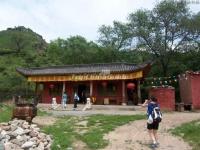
(51, 86)
(131, 86)
(104, 83)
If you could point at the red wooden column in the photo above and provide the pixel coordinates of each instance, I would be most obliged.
(123, 93)
(36, 88)
(139, 92)
(63, 90)
(91, 88)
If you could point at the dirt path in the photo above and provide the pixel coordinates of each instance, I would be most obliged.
(134, 136)
(44, 120)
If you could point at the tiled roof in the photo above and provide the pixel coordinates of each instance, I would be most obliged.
(82, 68)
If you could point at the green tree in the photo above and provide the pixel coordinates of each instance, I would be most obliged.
(116, 37)
(77, 50)
(19, 41)
(54, 52)
(116, 43)
(73, 50)
(164, 30)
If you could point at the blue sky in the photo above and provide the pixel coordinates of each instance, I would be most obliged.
(65, 18)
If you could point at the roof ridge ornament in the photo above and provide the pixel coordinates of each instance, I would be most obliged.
(105, 72)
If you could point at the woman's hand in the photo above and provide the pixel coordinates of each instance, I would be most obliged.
(145, 103)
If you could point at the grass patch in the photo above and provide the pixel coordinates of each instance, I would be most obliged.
(99, 125)
(62, 132)
(5, 113)
(69, 129)
(42, 113)
(190, 132)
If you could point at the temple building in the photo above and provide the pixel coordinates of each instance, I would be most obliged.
(109, 83)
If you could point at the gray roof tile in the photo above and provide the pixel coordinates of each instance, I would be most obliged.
(82, 68)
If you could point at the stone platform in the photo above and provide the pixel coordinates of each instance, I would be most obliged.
(96, 109)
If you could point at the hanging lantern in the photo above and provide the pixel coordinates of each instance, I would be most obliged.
(51, 86)
(131, 86)
(104, 83)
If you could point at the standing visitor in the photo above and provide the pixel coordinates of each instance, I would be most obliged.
(83, 96)
(154, 118)
(64, 100)
(76, 99)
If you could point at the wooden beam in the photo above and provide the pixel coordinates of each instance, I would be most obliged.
(86, 77)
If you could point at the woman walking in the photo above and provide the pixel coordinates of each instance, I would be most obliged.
(152, 123)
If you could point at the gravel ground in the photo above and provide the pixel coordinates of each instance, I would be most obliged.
(134, 136)
(44, 120)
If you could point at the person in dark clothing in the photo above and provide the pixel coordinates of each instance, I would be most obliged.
(83, 96)
(76, 99)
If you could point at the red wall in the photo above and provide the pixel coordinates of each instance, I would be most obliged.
(185, 89)
(117, 99)
(46, 98)
(69, 91)
(165, 96)
(190, 89)
(195, 89)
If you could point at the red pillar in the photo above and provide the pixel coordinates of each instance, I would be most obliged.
(123, 93)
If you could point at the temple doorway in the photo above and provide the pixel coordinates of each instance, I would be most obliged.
(132, 98)
(82, 91)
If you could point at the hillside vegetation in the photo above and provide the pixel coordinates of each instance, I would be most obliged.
(19, 47)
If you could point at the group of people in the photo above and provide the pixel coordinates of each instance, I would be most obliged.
(76, 99)
(65, 99)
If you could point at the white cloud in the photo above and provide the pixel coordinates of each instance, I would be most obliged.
(62, 18)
